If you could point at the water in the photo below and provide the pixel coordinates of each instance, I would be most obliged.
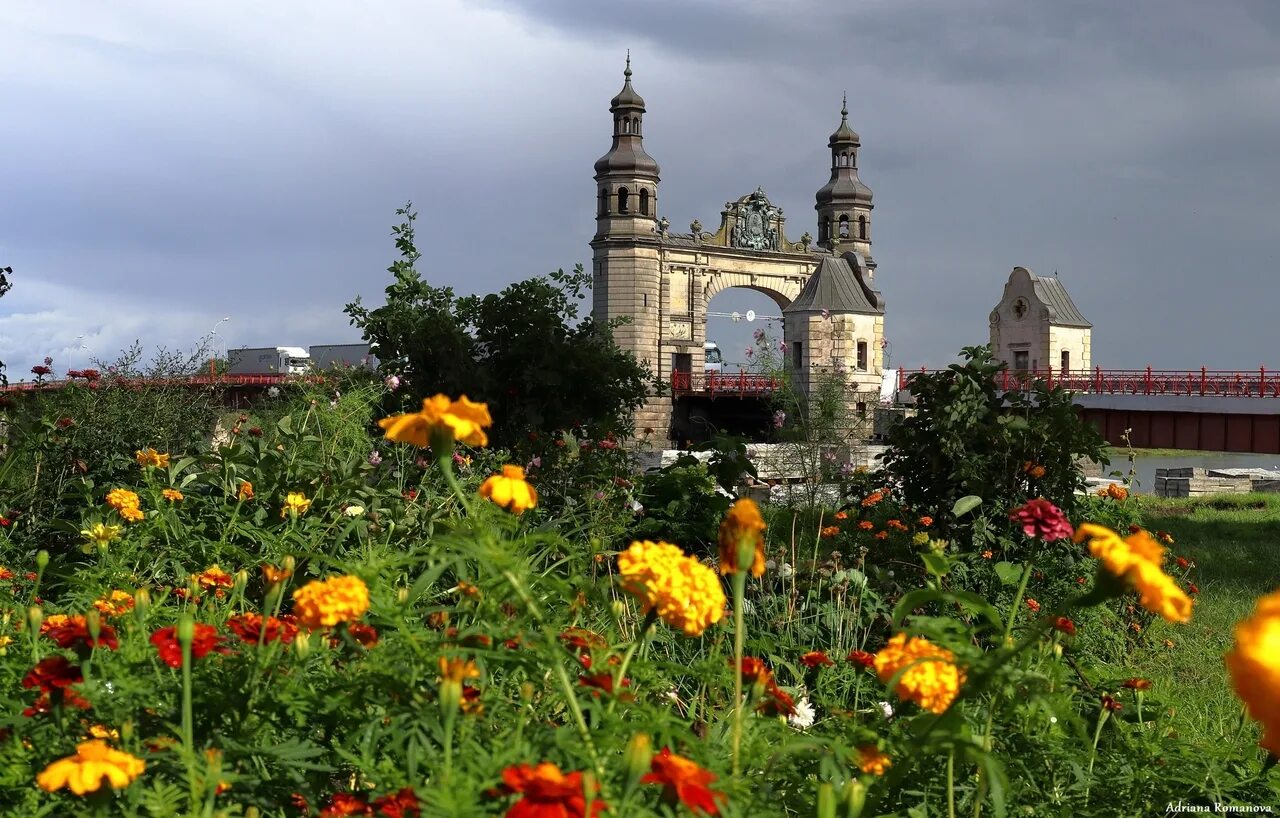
(1146, 465)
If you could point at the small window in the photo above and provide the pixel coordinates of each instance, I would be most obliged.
(797, 354)
(714, 356)
(604, 202)
(862, 227)
(1020, 360)
(635, 125)
(824, 229)
(644, 202)
(861, 409)
(626, 126)
(844, 227)
(844, 160)
(862, 355)
(622, 200)
(1066, 361)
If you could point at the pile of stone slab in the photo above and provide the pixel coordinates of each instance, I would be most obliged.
(1198, 481)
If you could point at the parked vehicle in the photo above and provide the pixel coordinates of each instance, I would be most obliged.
(713, 361)
(347, 356)
(268, 361)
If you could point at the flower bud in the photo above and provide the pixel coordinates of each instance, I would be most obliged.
(42, 559)
(526, 692)
(93, 621)
(252, 812)
(636, 758)
(35, 616)
(619, 608)
(141, 603)
(288, 564)
(402, 595)
(241, 580)
(302, 644)
(186, 630)
(826, 800)
(855, 798)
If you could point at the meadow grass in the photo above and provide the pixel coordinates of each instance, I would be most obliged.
(1234, 541)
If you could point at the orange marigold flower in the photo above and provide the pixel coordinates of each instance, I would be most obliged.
(1115, 491)
(548, 793)
(988, 554)
(683, 781)
(461, 420)
(114, 603)
(1065, 625)
(510, 490)
(343, 804)
(325, 603)
(841, 515)
(882, 535)
(872, 761)
(150, 458)
(1254, 665)
(866, 525)
(249, 627)
(172, 495)
(1137, 684)
(1136, 560)
(898, 524)
(754, 671)
(456, 669)
(926, 674)
(925, 521)
(742, 534)
(274, 575)
(365, 635)
(830, 531)
(776, 701)
(212, 578)
(1033, 605)
(815, 658)
(122, 498)
(685, 593)
(73, 633)
(245, 492)
(94, 763)
(401, 804)
(872, 498)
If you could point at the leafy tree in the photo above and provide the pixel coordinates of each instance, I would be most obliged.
(523, 351)
(5, 286)
(968, 437)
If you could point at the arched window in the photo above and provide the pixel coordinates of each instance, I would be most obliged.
(844, 160)
(862, 227)
(626, 126)
(604, 202)
(635, 125)
(844, 226)
(622, 200)
(853, 159)
(824, 227)
(644, 201)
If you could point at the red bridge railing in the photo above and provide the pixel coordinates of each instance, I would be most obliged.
(741, 384)
(1257, 383)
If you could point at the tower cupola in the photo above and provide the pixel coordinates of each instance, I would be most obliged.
(844, 202)
(626, 177)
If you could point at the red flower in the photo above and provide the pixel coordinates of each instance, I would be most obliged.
(409, 494)
(1042, 520)
(602, 681)
(777, 702)
(204, 640)
(345, 803)
(44, 704)
(248, 627)
(814, 658)
(754, 671)
(548, 793)
(53, 673)
(1065, 625)
(366, 635)
(5, 573)
(861, 657)
(5, 522)
(683, 781)
(1183, 562)
(74, 634)
(402, 804)
(1110, 703)
(1194, 589)
(1033, 605)
(582, 639)
(1137, 684)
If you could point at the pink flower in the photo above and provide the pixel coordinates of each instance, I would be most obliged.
(1041, 519)
(392, 382)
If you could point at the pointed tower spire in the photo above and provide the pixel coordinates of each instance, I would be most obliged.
(844, 202)
(626, 176)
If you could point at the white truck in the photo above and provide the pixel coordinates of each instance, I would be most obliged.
(713, 360)
(342, 356)
(268, 361)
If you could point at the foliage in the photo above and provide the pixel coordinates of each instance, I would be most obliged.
(523, 351)
(969, 437)
(681, 504)
(5, 286)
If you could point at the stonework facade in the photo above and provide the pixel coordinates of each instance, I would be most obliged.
(1037, 327)
(664, 281)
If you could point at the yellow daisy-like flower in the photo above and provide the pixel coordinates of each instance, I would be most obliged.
(463, 420)
(871, 760)
(93, 763)
(325, 603)
(114, 604)
(295, 502)
(150, 458)
(1137, 560)
(510, 490)
(457, 670)
(742, 539)
(101, 535)
(930, 677)
(1254, 665)
(172, 495)
(684, 592)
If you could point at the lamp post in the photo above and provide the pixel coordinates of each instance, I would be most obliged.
(213, 335)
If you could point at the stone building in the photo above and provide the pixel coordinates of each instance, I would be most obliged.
(664, 281)
(1037, 327)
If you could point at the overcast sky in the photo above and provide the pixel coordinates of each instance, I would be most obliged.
(167, 164)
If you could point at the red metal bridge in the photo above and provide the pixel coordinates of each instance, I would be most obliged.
(718, 384)
(1257, 383)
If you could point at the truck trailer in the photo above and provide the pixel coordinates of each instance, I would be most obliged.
(342, 356)
(268, 361)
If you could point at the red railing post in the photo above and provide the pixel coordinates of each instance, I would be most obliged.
(1262, 381)
(1097, 380)
(1204, 377)
(742, 383)
(1147, 383)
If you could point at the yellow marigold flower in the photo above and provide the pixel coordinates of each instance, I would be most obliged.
(930, 677)
(122, 498)
(462, 419)
(103, 731)
(742, 533)
(1137, 560)
(1115, 491)
(101, 535)
(1254, 665)
(114, 604)
(93, 763)
(245, 491)
(325, 603)
(150, 458)
(871, 760)
(684, 592)
(131, 515)
(274, 575)
(510, 490)
(295, 502)
(172, 495)
(457, 670)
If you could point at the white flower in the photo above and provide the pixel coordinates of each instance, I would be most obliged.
(273, 392)
(785, 570)
(771, 565)
(353, 511)
(1053, 719)
(804, 716)
(887, 709)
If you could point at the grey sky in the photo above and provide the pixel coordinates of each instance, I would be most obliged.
(166, 164)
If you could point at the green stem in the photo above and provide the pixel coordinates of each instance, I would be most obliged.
(1093, 752)
(188, 735)
(951, 783)
(739, 636)
(449, 720)
(645, 627)
(572, 699)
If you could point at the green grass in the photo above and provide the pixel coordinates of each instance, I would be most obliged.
(1117, 453)
(1234, 541)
